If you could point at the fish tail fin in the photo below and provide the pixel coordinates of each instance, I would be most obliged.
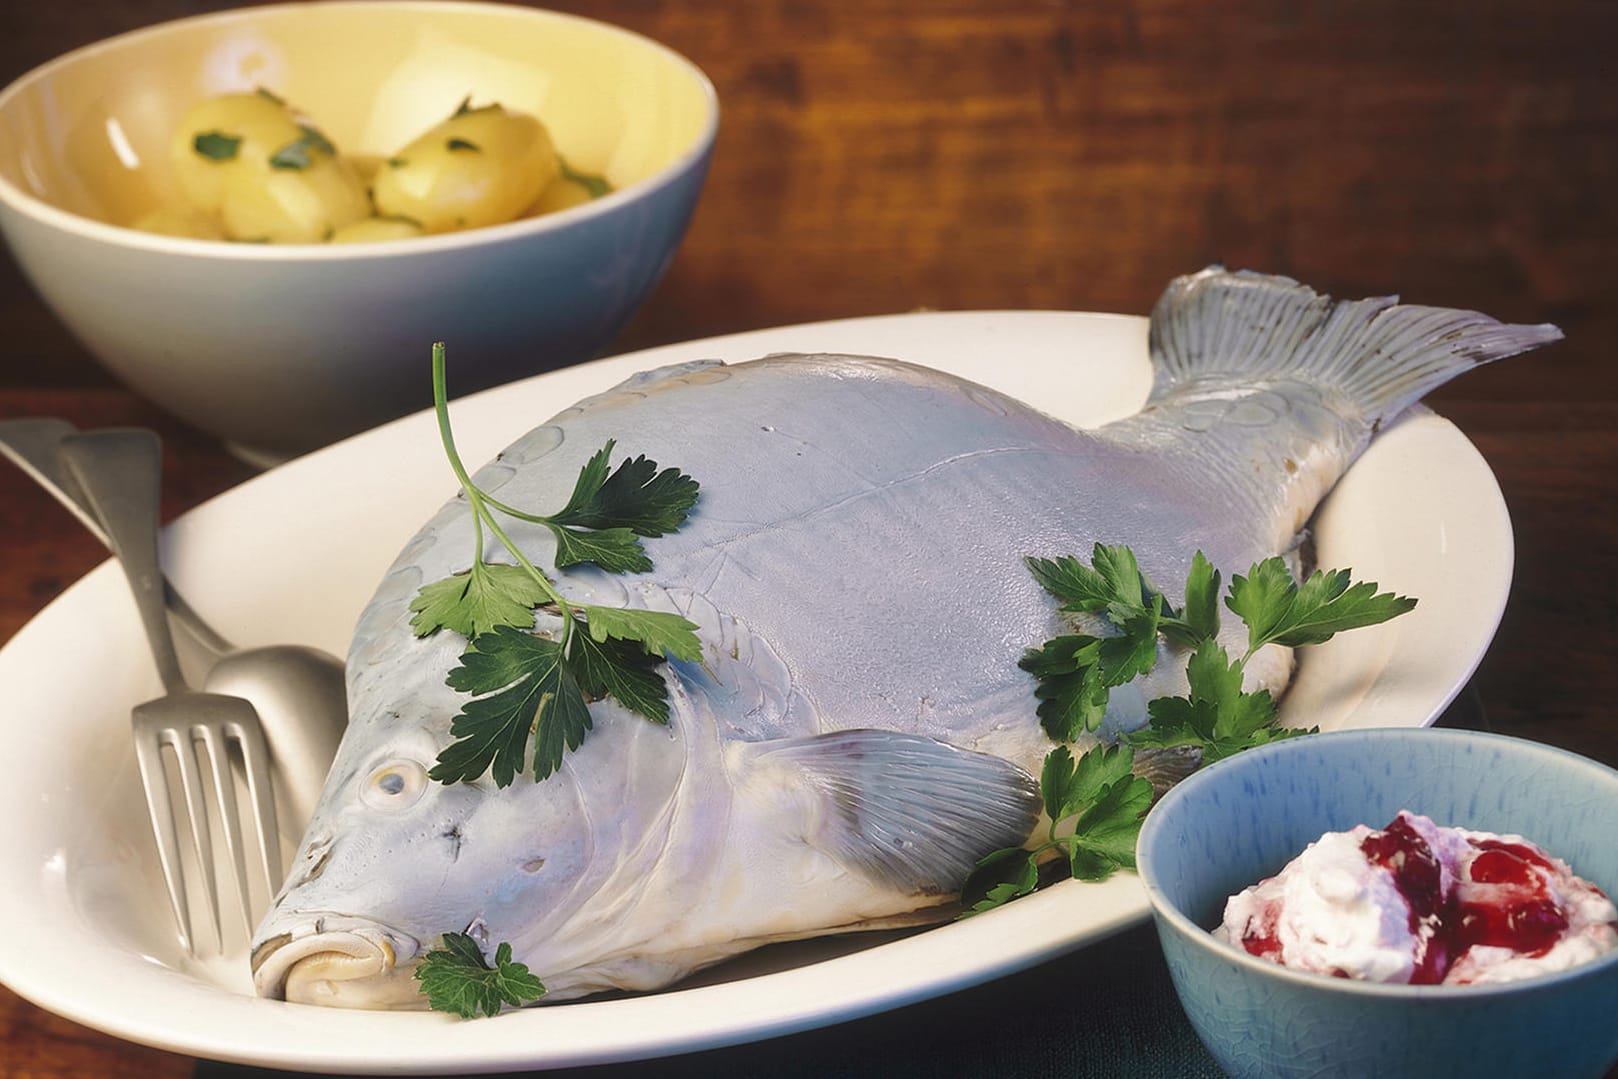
(1379, 353)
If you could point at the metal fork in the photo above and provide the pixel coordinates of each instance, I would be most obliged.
(32, 444)
(119, 473)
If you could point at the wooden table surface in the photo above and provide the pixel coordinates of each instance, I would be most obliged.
(884, 155)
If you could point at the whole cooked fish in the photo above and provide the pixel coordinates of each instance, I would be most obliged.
(859, 732)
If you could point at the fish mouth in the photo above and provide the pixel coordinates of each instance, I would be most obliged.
(339, 961)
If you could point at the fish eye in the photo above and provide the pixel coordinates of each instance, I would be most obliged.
(394, 785)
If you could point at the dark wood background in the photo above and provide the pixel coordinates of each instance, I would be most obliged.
(883, 155)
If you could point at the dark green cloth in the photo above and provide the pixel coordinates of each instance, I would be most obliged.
(1105, 1010)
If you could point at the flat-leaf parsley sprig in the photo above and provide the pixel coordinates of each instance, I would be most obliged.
(528, 683)
(457, 978)
(1217, 717)
(1095, 803)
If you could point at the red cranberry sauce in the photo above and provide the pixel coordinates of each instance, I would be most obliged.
(1259, 938)
(1515, 911)
(1417, 875)
(1507, 904)
(1520, 913)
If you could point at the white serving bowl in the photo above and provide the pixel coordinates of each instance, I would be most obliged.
(278, 349)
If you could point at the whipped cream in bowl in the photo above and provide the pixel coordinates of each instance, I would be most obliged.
(1419, 902)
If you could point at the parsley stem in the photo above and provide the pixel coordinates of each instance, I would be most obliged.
(478, 501)
(568, 612)
(512, 511)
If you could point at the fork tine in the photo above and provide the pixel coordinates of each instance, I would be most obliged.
(209, 743)
(256, 764)
(197, 809)
(154, 781)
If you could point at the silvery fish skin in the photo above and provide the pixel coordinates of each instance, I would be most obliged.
(859, 732)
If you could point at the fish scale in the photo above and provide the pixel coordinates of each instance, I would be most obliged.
(858, 732)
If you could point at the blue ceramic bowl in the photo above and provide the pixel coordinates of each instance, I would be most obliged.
(1243, 819)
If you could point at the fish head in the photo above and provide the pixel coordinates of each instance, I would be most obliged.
(393, 859)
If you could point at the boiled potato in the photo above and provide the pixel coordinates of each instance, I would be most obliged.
(211, 138)
(481, 166)
(186, 223)
(283, 206)
(252, 169)
(365, 166)
(373, 229)
(569, 189)
(268, 175)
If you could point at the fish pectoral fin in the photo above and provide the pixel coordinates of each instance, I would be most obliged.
(910, 812)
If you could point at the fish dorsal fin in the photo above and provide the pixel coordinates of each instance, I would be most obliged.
(1377, 353)
(910, 812)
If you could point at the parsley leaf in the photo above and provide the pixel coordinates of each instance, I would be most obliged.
(299, 153)
(596, 186)
(1216, 716)
(465, 107)
(635, 496)
(1115, 582)
(624, 671)
(1277, 609)
(999, 878)
(457, 979)
(1134, 651)
(1104, 835)
(658, 632)
(609, 510)
(489, 595)
(534, 685)
(1105, 801)
(216, 145)
(531, 688)
(1201, 617)
(1072, 699)
(1074, 672)
(616, 550)
(1068, 786)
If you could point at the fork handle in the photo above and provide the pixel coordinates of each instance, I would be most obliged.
(33, 443)
(119, 471)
